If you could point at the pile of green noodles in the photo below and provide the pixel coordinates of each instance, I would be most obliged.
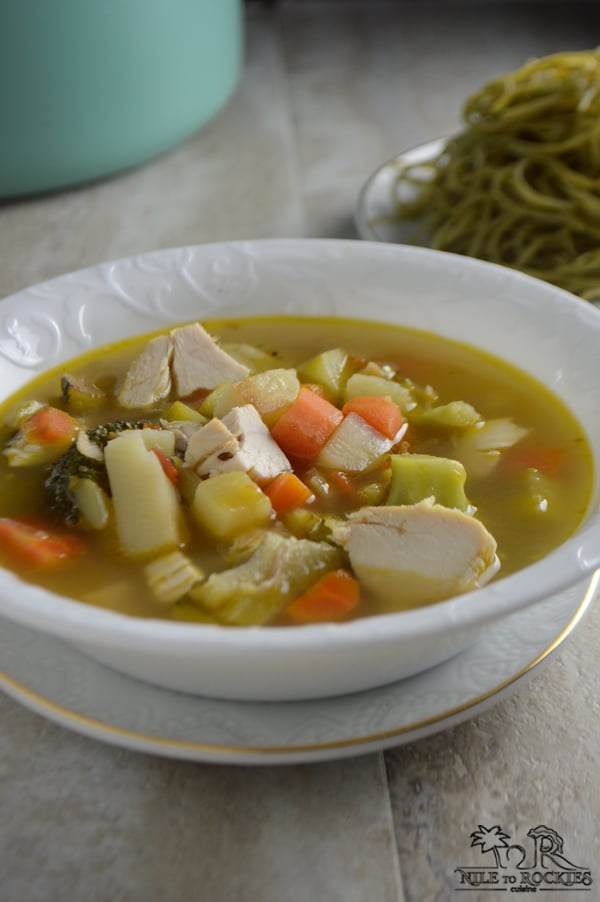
(520, 185)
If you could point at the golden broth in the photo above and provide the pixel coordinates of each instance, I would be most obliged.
(524, 532)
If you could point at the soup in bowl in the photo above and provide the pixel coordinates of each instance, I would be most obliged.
(290, 469)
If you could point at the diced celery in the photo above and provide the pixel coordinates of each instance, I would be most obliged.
(92, 502)
(188, 481)
(304, 524)
(455, 415)
(220, 400)
(331, 369)
(180, 411)
(354, 446)
(363, 384)
(373, 493)
(229, 504)
(416, 477)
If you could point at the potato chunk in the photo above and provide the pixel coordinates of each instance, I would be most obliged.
(148, 515)
(229, 504)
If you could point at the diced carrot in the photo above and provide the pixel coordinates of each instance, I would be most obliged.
(306, 425)
(38, 545)
(379, 412)
(50, 426)
(287, 492)
(168, 467)
(343, 482)
(528, 457)
(331, 598)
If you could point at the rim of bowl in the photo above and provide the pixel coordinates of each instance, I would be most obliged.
(574, 560)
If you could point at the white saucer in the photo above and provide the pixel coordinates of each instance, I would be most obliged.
(54, 680)
(377, 201)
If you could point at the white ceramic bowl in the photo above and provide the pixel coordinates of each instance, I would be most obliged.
(549, 333)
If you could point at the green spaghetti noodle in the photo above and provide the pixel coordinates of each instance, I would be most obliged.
(520, 184)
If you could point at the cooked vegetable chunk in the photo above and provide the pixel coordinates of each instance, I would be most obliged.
(379, 412)
(92, 502)
(149, 518)
(306, 425)
(455, 415)
(270, 392)
(331, 598)
(361, 384)
(331, 369)
(419, 553)
(229, 504)
(416, 477)
(79, 396)
(355, 446)
(44, 436)
(37, 544)
(178, 411)
(287, 492)
(255, 591)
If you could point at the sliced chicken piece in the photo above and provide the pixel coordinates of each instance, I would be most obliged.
(261, 456)
(183, 431)
(240, 441)
(199, 362)
(207, 441)
(410, 555)
(148, 378)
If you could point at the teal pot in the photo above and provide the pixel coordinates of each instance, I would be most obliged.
(91, 87)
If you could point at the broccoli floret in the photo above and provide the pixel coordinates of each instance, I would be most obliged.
(73, 466)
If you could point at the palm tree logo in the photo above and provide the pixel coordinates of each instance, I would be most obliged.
(491, 839)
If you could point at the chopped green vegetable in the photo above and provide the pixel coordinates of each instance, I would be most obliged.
(92, 502)
(416, 477)
(455, 415)
(178, 411)
(331, 369)
(362, 384)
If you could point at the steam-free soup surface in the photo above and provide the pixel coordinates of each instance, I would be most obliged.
(323, 470)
